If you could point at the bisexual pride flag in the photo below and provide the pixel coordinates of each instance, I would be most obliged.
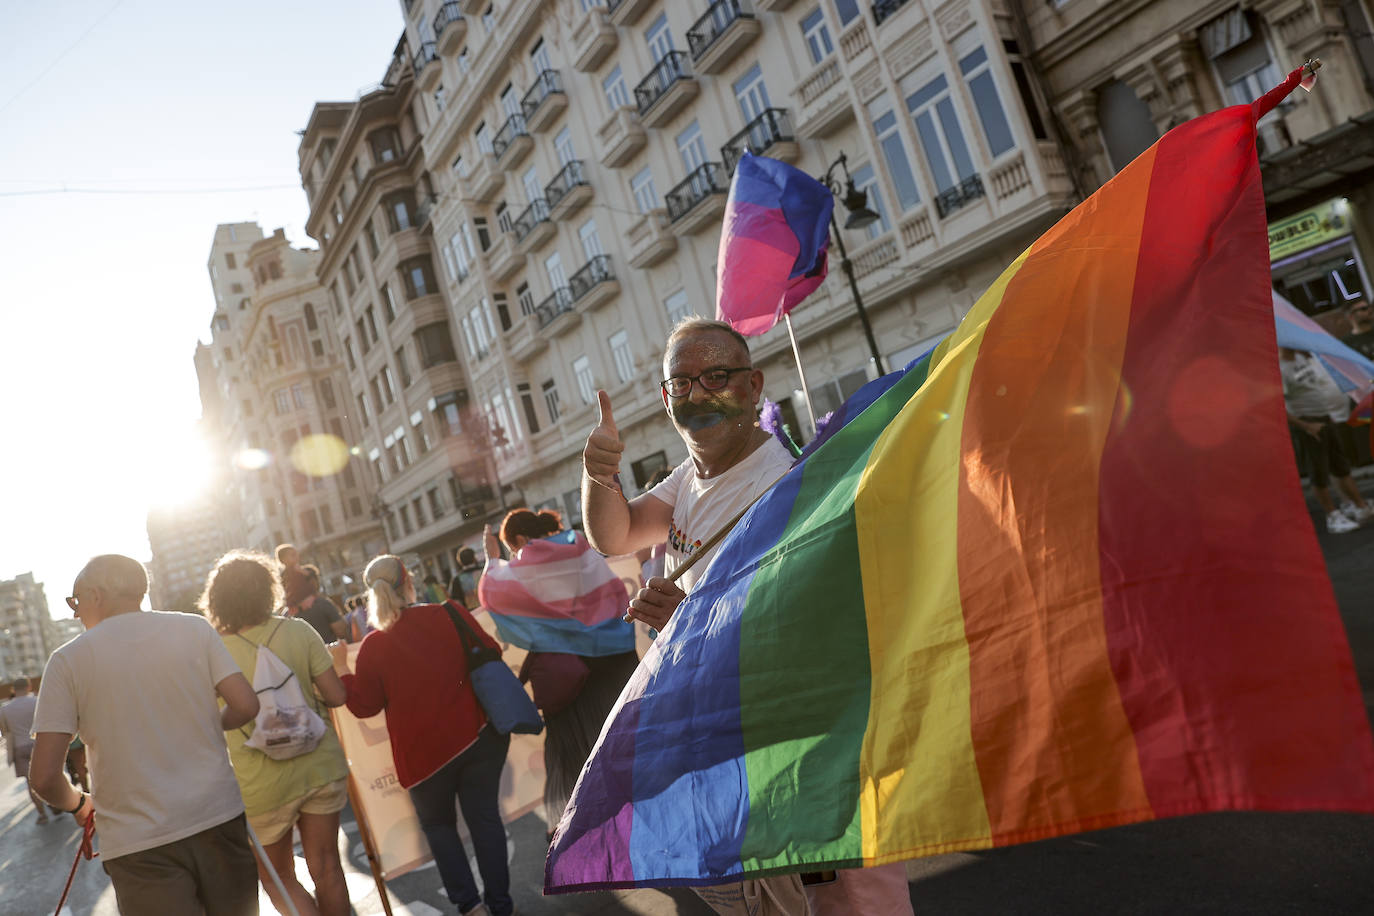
(1057, 575)
(558, 595)
(772, 245)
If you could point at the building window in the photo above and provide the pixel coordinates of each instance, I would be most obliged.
(436, 505)
(282, 401)
(691, 147)
(550, 391)
(642, 187)
(659, 38)
(866, 180)
(327, 393)
(298, 395)
(562, 145)
(677, 307)
(229, 260)
(385, 144)
(373, 246)
(435, 344)
(417, 427)
(620, 353)
(894, 151)
(847, 10)
(942, 139)
(418, 276)
(403, 367)
(483, 136)
(978, 74)
(348, 352)
(816, 34)
(527, 403)
(1125, 122)
(586, 385)
(525, 298)
(371, 321)
(591, 241)
(614, 85)
(1023, 86)
(751, 94)
(310, 322)
(317, 348)
(388, 386)
(399, 209)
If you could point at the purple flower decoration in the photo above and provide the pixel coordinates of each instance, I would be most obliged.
(771, 422)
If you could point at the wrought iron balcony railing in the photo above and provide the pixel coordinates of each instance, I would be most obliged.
(547, 83)
(719, 17)
(597, 270)
(970, 189)
(426, 55)
(882, 9)
(669, 70)
(569, 177)
(773, 125)
(536, 213)
(513, 129)
(708, 178)
(547, 311)
(449, 12)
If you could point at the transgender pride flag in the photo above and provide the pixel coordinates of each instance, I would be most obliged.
(558, 595)
(772, 246)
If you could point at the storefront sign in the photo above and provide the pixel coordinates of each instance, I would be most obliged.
(1309, 228)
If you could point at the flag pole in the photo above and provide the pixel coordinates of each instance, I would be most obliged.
(365, 833)
(801, 373)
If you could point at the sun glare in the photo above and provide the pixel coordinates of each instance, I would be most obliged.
(183, 474)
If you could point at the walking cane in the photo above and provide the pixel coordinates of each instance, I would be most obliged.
(276, 878)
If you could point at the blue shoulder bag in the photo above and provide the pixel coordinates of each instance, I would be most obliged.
(503, 698)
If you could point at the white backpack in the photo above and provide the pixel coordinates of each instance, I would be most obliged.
(286, 726)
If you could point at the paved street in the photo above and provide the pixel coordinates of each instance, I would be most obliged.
(1231, 863)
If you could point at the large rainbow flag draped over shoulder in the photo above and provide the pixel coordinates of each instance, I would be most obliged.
(557, 595)
(1058, 575)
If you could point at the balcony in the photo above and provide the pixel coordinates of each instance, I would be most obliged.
(450, 28)
(532, 228)
(885, 9)
(650, 239)
(825, 104)
(728, 27)
(627, 12)
(557, 314)
(426, 67)
(769, 134)
(484, 181)
(773, 6)
(959, 196)
(568, 191)
(593, 39)
(668, 87)
(523, 342)
(545, 101)
(594, 284)
(620, 138)
(511, 143)
(699, 199)
(502, 259)
(473, 7)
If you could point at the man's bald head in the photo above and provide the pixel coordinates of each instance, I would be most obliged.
(116, 575)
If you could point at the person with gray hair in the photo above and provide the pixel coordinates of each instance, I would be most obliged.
(143, 688)
(16, 723)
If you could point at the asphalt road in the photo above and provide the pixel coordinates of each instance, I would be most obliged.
(1225, 863)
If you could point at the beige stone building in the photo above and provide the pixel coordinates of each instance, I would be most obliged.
(25, 641)
(275, 403)
(1119, 73)
(567, 164)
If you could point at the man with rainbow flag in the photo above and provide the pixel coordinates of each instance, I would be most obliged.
(1057, 575)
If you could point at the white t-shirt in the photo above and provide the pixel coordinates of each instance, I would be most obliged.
(702, 505)
(16, 724)
(1310, 391)
(140, 690)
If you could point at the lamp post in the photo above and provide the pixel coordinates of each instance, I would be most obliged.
(856, 202)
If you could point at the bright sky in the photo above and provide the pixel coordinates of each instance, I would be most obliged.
(160, 105)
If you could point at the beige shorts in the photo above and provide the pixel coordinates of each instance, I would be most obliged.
(271, 826)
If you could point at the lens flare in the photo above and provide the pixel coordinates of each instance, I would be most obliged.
(320, 455)
(253, 459)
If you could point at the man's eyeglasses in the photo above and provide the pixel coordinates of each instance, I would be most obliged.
(679, 386)
(74, 603)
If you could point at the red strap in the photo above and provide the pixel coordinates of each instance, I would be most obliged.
(87, 833)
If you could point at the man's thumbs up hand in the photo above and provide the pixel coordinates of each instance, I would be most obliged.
(601, 457)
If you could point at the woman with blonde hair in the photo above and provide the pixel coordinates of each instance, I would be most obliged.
(308, 791)
(414, 667)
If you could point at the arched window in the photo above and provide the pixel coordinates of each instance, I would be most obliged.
(310, 323)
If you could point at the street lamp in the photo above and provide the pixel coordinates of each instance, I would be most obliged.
(856, 203)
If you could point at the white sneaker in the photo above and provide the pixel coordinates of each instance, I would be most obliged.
(1338, 523)
(1362, 513)
(1350, 510)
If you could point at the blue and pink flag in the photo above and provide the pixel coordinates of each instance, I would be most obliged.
(1348, 367)
(558, 595)
(772, 245)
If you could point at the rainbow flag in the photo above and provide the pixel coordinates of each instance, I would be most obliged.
(772, 243)
(1057, 576)
(558, 595)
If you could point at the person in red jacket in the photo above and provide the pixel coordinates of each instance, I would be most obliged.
(413, 667)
